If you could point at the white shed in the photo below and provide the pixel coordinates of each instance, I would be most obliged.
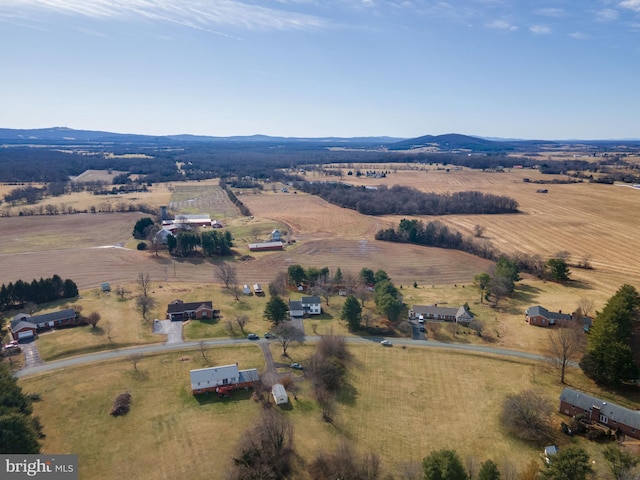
(246, 290)
(279, 394)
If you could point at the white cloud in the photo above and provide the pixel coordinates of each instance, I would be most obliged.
(607, 14)
(501, 25)
(631, 4)
(539, 29)
(551, 12)
(201, 14)
(579, 35)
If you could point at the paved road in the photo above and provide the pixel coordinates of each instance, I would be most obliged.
(168, 347)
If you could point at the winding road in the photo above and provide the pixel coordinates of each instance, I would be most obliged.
(169, 347)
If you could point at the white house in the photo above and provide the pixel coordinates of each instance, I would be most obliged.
(279, 394)
(209, 379)
(295, 308)
(276, 236)
(311, 305)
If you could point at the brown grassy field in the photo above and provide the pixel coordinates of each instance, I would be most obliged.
(400, 403)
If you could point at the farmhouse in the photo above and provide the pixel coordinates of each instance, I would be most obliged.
(276, 236)
(541, 317)
(265, 246)
(179, 310)
(447, 314)
(618, 419)
(311, 305)
(24, 326)
(222, 378)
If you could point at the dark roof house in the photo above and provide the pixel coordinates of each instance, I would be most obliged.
(542, 317)
(617, 418)
(179, 310)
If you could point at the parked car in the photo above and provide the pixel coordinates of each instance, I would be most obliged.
(420, 318)
(295, 365)
(253, 336)
(268, 335)
(385, 343)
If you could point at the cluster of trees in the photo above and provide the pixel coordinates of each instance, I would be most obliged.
(144, 302)
(213, 243)
(45, 290)
(400, 200)
(244, 210)
(19, 430)
(609, 358)
(500, 282)
(435, 234)
(298, 275)
(328, 370)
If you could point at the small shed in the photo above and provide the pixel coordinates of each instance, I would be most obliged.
(549, 452)
(246, 290)
(279, 394)
(105, 287)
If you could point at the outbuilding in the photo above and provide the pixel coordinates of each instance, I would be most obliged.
(279, 394)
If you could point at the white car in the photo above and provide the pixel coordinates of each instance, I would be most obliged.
(385, 343)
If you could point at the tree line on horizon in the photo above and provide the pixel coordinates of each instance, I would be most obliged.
(401, 200)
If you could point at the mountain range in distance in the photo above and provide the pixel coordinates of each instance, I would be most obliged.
(448, 142)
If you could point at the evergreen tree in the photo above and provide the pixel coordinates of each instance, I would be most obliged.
(443, 465)
(337, 278)
(296, 274)
(140, 227)
(352, 313)
(489, 471)
(276, 310)
(557, 270)
(609, 358)
(570, 463)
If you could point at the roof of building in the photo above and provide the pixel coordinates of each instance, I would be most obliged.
(248, 375)
(610, 410)
(278, 390)
(459, 313)
(539, 311)
(295, 305)
(179, 307)
(253, 246)
(23, 324)
(45, 317)
(310, 300)
(214, 376)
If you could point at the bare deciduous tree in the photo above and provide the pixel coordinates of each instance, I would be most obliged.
(226, 273)
(241, 321)
(145, 304)
(144, 280)
(478, 231)
(93, 319)
(527, 415)
(585, 305)
(286, 333)
(135, 358)
(122, 292)
(345, 462)
(203, 351)
(278, 285)
(108, 329)
(230, 328)
(563, 346)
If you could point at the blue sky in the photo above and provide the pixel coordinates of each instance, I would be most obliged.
(307, 68)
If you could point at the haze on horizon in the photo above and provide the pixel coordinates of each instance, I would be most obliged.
(305, 68)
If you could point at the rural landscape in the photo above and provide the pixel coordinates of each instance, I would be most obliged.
(438, 307)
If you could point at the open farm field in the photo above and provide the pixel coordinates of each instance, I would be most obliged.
(400, 403)
(588, 220)
(97, 176)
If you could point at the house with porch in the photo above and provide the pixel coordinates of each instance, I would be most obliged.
(179, 310)
(311, 305)
(619, 419)
(222, 379)
(445, 314)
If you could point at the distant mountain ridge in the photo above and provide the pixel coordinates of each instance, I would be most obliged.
(451, 142)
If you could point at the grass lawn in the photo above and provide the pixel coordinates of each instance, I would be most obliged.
(400, 403)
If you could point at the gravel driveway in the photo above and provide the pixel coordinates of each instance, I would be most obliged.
(173, 330)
